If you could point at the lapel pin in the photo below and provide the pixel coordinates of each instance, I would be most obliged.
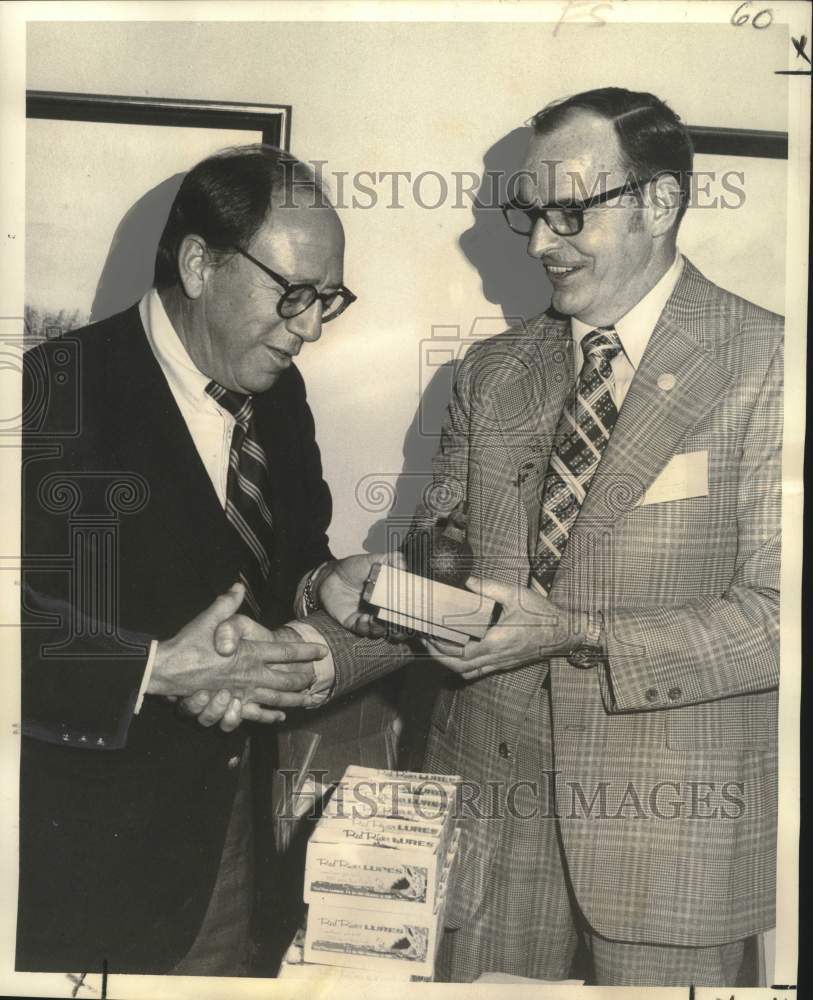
(666, 381)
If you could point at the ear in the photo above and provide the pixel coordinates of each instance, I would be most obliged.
(193, 264)
(664, 204)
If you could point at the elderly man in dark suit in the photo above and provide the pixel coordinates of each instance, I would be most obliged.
(621, 459)
(169, 457)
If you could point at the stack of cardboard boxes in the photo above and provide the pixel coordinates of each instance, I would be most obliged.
(379, 864)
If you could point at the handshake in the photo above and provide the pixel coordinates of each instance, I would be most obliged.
(225, 668)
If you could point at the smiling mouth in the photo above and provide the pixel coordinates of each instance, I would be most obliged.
(560, 270)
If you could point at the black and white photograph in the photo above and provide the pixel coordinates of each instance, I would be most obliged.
(402, 440)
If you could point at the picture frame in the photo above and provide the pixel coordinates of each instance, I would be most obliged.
(273, 121)
(72, 141)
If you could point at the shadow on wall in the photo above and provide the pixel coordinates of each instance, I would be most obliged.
(511, 279)
(128, 270)
(420, 444)
(518, 286)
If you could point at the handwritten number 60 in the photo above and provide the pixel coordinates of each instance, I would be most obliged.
(762, 19)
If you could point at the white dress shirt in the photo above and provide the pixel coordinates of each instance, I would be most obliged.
(634, 331)
(211, 428)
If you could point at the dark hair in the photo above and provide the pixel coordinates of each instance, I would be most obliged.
(652, 137)
(226, 198)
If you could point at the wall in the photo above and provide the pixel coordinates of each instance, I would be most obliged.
(427, 97)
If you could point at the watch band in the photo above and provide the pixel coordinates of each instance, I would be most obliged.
(591, 650)
(595, 628)
(309, 599)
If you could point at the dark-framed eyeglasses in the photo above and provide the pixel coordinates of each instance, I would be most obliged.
(297, 297)
(564, 218)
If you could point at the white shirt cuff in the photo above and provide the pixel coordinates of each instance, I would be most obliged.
(147, 675)
(324, 669)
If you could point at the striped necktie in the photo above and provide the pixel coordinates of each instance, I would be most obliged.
(247, 492)
(581, 436)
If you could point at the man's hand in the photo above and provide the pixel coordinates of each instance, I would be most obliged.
(267, 669)
(530, 628)
(338, 589)
(229, 710)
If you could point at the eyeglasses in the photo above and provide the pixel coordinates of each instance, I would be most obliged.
(297, 298)
(563, 218)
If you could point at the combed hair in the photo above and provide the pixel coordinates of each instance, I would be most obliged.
(652, 137)
(226, 198)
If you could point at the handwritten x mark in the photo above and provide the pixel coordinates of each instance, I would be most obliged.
(79, 983)
(800, 44)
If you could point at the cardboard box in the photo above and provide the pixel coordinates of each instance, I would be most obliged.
(375, 875)
(379, 941)
(381, 831)
(365, 805)
(373, 792)
(367, 939)
(336, 829)
(362, 803)
(294, 966)
(416, 779)
(376, 886)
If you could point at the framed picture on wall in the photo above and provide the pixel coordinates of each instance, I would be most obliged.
(739, 175)
(102, 173)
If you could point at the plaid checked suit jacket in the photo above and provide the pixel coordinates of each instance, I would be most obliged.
(665, 757)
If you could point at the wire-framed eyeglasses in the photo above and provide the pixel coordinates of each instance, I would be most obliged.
(297, 297)
(563, 218)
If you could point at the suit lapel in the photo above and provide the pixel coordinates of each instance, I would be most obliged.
(678, 381)
(676, 384)
(151, 438)
(527, 409)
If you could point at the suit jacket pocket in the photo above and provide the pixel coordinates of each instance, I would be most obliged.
(746, 721)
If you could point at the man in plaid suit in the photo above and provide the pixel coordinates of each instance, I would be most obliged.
(621, 461)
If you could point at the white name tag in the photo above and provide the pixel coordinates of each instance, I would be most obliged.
(684, 476)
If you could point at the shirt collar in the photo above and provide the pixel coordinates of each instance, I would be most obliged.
(172, 356)
(636, 328)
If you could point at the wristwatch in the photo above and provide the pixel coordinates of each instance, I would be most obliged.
(591, 650)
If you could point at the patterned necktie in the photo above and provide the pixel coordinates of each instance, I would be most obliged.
(581, 437)
(247, 489)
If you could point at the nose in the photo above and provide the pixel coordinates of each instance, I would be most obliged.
(308, 324)
(542, 239)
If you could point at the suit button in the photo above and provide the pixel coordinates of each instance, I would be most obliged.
(652, 694)
(234, 761)
(674, 693)
(504, 750)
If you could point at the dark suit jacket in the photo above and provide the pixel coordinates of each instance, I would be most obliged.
(123, 817)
